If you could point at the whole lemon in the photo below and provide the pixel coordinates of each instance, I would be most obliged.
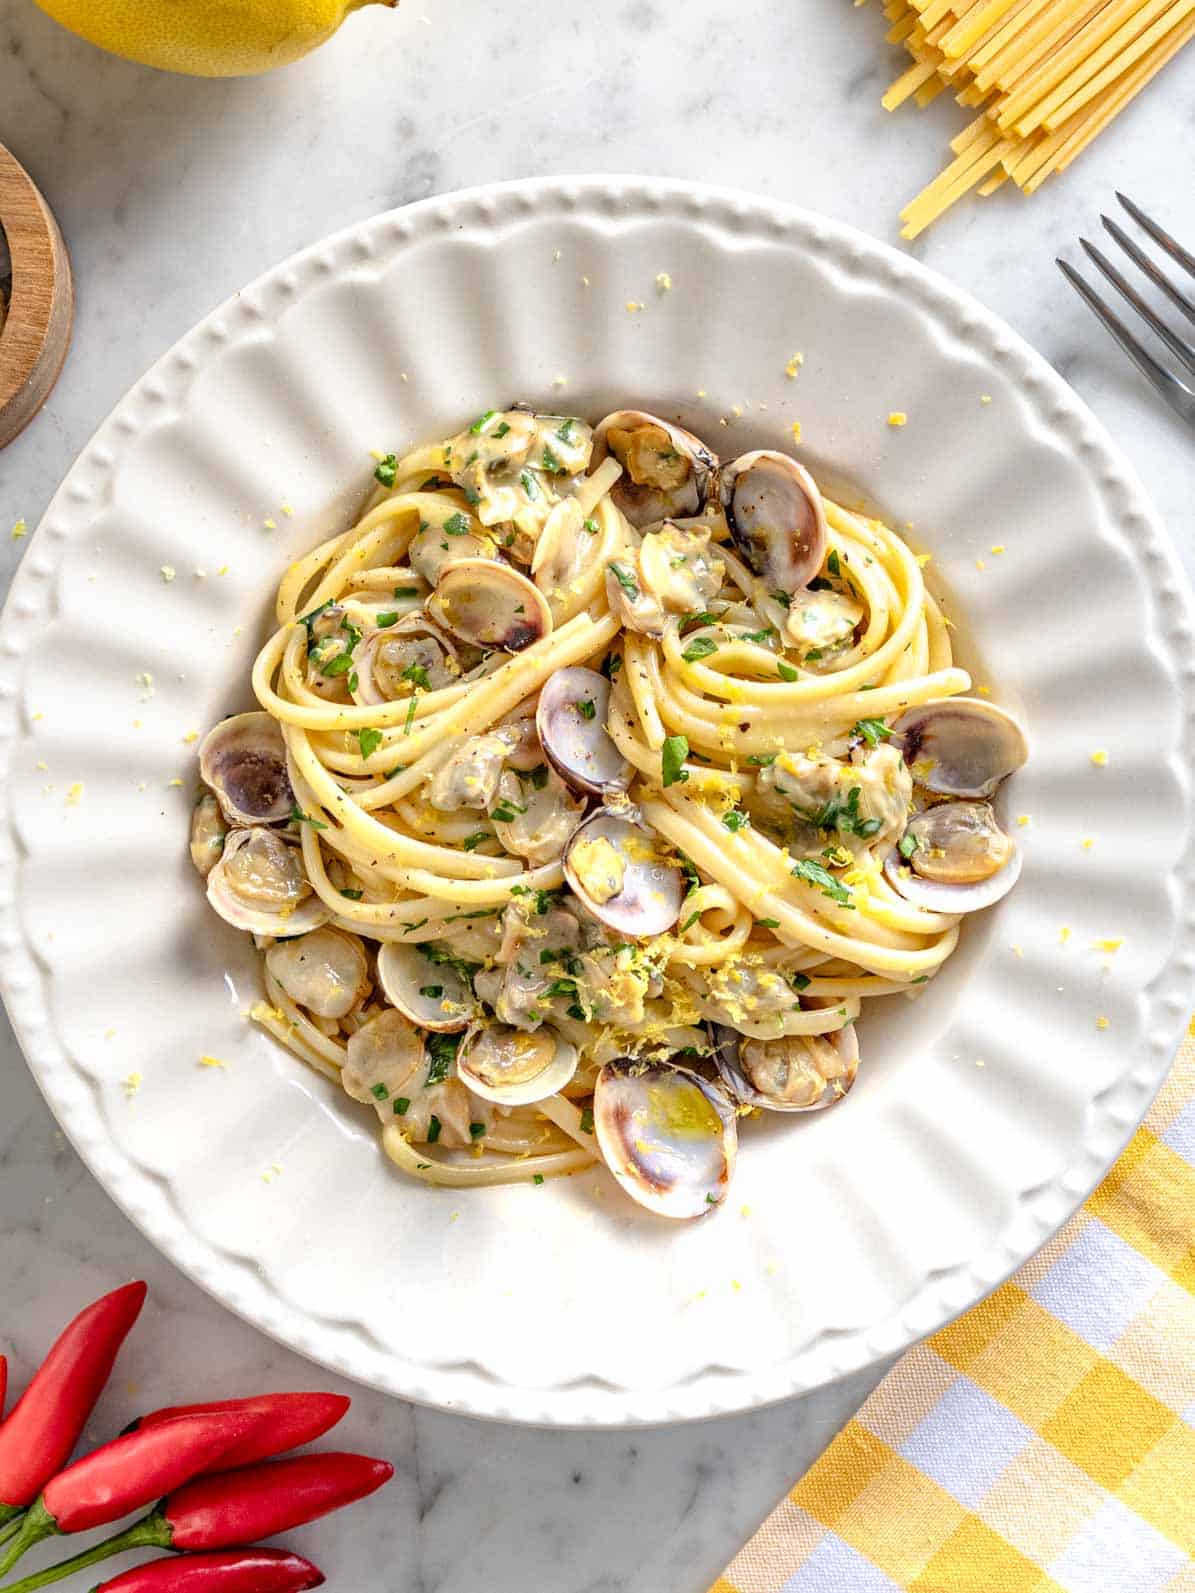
(206, 38)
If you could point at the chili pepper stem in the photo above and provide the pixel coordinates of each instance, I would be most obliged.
(151, 1532)
(13, 1527)
(36, 1524)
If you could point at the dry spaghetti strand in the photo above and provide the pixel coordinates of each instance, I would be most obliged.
(1047, 76)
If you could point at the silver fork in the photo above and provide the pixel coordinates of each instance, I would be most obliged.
(1177, 393)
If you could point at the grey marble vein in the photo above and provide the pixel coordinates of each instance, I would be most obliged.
(173, 193)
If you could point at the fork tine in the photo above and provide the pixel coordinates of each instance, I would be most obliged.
(1158, 234)
(1180, 398)
(1177, 346)
(1152, 271)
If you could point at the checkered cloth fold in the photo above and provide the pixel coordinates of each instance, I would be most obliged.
(1043, 1443)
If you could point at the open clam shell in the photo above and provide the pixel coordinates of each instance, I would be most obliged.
(666, 470)
(574, 705)
(668, 1136)
(391, 662)
(259, 885)
(427, 985)
(960, 746)
(792, 1073)
(514, 1067)
(938, 896)
(774, 511)
(614, 866)
(490, 605)
(243, 760)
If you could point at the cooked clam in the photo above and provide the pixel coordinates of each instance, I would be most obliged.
(668, 1136)
(393, 661)
(960, 746)
(490, 605)
(614, 866)
(259, 885)
(574, 704)
(324, 971)
(243, 760)
(514, 1067)
(666, 470)
(435, 546)
(954, 858)
(793, 1073)
(428, 984)
(384, 1062)
(208, 831)
(774, 512)
(533, 818)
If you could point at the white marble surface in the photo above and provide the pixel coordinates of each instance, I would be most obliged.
(173, 193)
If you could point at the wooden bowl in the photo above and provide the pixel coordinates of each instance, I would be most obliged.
(37, 330)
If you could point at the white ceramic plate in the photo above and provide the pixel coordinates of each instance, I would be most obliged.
(983, 1111)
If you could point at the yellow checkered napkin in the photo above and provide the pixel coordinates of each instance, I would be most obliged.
(1046, 1440)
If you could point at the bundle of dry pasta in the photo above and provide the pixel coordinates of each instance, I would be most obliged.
(1046, 76)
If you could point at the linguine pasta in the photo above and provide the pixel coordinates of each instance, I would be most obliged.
(596, 787)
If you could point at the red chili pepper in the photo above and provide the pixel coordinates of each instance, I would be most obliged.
(235, 1508)
(46, 1421)
(293, 1419)
(128, 1474)
(238, 1571)
(3, 1381)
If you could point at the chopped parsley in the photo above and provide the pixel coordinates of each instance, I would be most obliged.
(409, 722)
(384, 621)
(353, 681)
(562, 987)
(782, 598)
(800, 981)
(340, 665)
(432, 992)
(537, 777)
(907, 845)
(611, 664)
(754, 636)
(690, 873)
(472, 842)
(768, 923)
(815, 874)
(506, 810)
(387, 470)
(479, 912)
(920, 979)
(527, 482)
(873, 731)
(369, 740)
(482, 421)
(353, 896)
(417, 675)
(587, 1120)
(441, 1054)
(704, 618)
(297, 816)
(763, 760)
(433, 1129)
(553, 464)
(379, 1092)
(406, 591)
(565, 430)
(625, 579)
(402, 1105)
(501, 429)
(587, 708)
(476, 1130)
(591, 526)
(832, 563)
(842, 816)
(457, 525)
(690, 921)
(734, 820)
(411, 928)
(310, 619)
(786, 671)
(699, 647)
(537, 1178)
(672, 757)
